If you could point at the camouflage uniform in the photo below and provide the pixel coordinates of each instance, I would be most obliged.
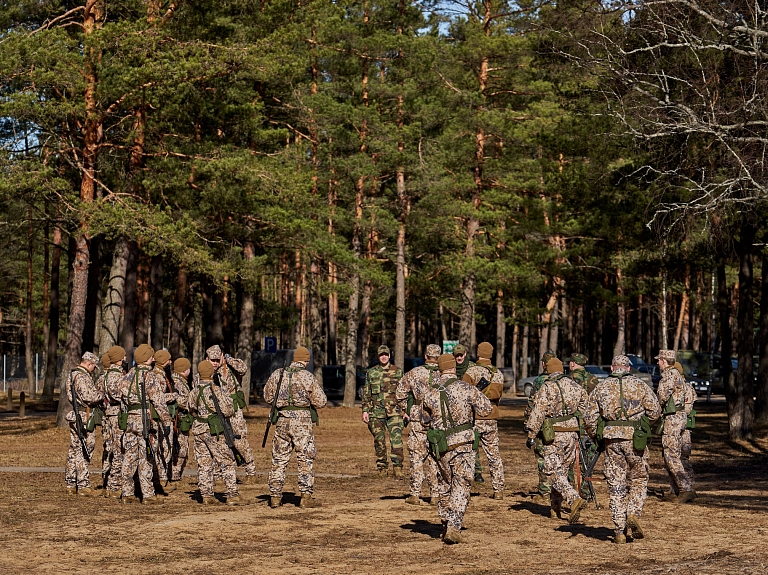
(211, 451)
(181, 387)
(162, 439)
(112, 460)
(384, 413)
(588, 381)
(560, 396)
(626, 469)
(76, 474)
(417, 382)
(456, 466)
(230, 373)
(293, 431)
(676, 439)
(544, 488)
(488, 426)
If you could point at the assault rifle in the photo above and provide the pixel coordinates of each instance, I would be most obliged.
(146, 420)
(588, 467)
(79, 420)
(229, 435)
(273, 411)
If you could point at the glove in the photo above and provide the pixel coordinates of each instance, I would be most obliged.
(530, 443)
(587, 443)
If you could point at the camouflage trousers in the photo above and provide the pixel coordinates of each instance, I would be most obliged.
(212, 454)
(626, 472)
(240, 427)
(162, 445)
(559, 456)
(293, 434)
(454, 480)
(112, 457)
(135, 459)
(422, 464)
(544, 487)
(676, 449)
(181, 456)
(76, 472)
(489, 440)
(379, 426)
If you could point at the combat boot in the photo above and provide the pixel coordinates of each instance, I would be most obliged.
(620, 538)
(109, 494)
(432, 501)
(275, 502)
(211, 501)
(555, 513)
(235, 500)
(479, 479)
(154, 500)
(452, 536)
(686, 496)
(413, 500)
(576, 510)
(633, 523)
(397, 472)
(383, 471)
(498, 495)
(249, 480)
(669, 497)
(128, 499)
(169, 488)
(87, 492)
(308, 502)
(71, 490)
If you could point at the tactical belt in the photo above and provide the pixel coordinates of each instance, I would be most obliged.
(293, 408)
(458, 429)
(565, 429)
(134, 407)
(622, 423)
(452, 447)
(202, 420)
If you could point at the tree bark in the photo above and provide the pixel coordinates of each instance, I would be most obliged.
(51, 357)
(524, 366)
(363, 334)
(114, 298)
(682, 319)
(621, 342)
(742, 412)
(316, 318)
(515, 363)
(761, 403)
(214, 331)
(177, 315)
(156, 308)
(245, 337)
(31, 376)
(130, 301)
(93, 299)
(403, 207)
(46, 289)
(501, 328)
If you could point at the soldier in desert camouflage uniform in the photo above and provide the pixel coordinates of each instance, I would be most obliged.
(113, 435)
(676, 439)
(230, 371)
(163, 439)
(488, 426)
(463, 363)
(411, 389)
(76, 475)
(299, 391)
(588, 381)
(382, 413)
(560, 400)
(626, 468)
(181, 385)
(211, 450)
(543, 488)
(452, 407)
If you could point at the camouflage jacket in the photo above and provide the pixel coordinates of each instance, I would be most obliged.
(417, 381)
(536, 386)
(230, 372)
(379, 392)
(88, 394)
(130, 395)
(299, 388)
(181, 387)
(484, 369)
(200, 402)
(587, 380)
(159, 379)
(673, 385)
(559, 396)
(108, 385)
(465, 403)
(604, 402)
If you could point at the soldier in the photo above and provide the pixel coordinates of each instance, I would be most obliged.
(588, 381)
(676, 396)
(452, 408)
(86, 396)
(230, 372)
(382, 413)
(140, 383)
(113, 435)
(543, 488)
(463, 363)
(488, 426)
(211, 450)
(621, 401)
(410, 394)
(299, 394)
(558, 404)
(163, 438)
(181, 385)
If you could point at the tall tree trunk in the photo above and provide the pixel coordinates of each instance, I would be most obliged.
(403, 208)
(130, 301)
(51, 356)
(214, 331)
(554, 328)
(501, 328)
(93, 299)
(177, 315)
(682, 319)
(316, 318)
(647, 330)
(245, 337)
(350, 381)
(761, 403)
(698, 321)
(197, 344)
(31, 375)
(685, 312)
(639, 327)
(363, 334)
(621, 312)
(46, 289)
(742, 412)
(156, 288)
(524, 366)
(515, 364)
(113, 301)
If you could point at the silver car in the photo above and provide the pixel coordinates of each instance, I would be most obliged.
(525, 386)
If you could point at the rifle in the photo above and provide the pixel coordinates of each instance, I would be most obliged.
(273, 411)
(587, 467)
(145, 419)
(174, 448)
(229, 435)
(78, 420)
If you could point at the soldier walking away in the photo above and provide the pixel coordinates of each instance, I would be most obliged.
(163, 418)
(588, 381)
(300, 394)
(410, 394)
(230, 370)
(621, 401)
(452, 408)
(544, 488)
(113, 435)
(182, 381)
(676, 396)
(490, 381)
(555, 420)
(83, 394)
(211, 450)
(382, 413)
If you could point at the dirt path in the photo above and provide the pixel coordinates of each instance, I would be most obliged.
(365, 526)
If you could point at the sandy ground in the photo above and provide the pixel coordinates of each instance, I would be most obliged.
(364, 525)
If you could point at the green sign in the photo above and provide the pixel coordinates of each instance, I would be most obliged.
(449, 344)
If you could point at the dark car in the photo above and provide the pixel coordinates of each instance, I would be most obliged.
(655, 374)
(334, 379)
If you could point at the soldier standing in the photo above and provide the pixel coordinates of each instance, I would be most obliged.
(676, 396)
(299, 394)
(488, 426)
(181, 385)
(163, 438)
(410, 395)
(463, 363)
(230, 371)
(113, 435)
(559, 402)
(621, 401)
(382, 413)
(86, 396)
(211, 450)
(543, 488)
(452, 408)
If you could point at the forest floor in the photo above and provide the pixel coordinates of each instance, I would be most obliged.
(364, 525)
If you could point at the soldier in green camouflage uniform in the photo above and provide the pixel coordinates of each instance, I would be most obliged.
(588, 381)
(544, 488)
(382, 413)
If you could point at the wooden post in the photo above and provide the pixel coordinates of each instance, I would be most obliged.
(10, 399)
(22, 406)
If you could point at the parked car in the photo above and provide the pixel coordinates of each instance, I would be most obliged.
(525, 386)
(597, 371)
(334, 379)
(509, 377)
(655, 373)
(645, 376)
(638, 363)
